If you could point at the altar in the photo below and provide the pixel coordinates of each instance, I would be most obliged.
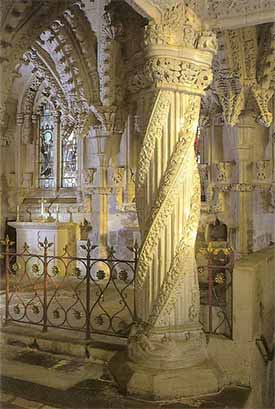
(60, 234)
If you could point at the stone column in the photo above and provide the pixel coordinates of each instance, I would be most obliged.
(272, 130)
(18, 150)
(167, 348)
(58, 155)
(246, 151)
(214, 132)
(36, 174)
(98, 159)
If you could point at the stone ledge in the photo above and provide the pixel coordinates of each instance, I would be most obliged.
(99, 349)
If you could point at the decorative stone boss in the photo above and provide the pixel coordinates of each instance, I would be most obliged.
(167, 349)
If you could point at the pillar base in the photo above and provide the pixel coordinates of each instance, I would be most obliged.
(168, 384)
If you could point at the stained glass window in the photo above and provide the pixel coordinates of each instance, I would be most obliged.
(57, 153)
(46, 149)
(69, 161)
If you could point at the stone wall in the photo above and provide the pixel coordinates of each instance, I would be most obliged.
(253, 316)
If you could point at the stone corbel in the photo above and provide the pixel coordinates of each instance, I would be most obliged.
(216, 203)
(118, 176)
(89, 175)
(262, 170)
(233, 104)
(224, 171)
(118, 184)
(263, 97)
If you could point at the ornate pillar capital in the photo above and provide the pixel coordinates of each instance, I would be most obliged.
(178, 53)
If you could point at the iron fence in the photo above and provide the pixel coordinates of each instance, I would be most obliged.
(88, 294)
(216, 291)
(96, 295)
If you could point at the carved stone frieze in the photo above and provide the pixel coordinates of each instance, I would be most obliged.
(241, 187)
(179, 26)
(42, 77)
(215, 10)
(28, 100)
(169, 72)
(234, 8)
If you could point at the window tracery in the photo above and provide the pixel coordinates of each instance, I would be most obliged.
(46, 148)
(57, 156)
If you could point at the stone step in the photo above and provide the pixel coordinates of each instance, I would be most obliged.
(43, 368)
(99, 349)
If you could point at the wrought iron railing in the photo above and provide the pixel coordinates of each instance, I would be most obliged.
(88, 294)
(96, 295)
(216, 290)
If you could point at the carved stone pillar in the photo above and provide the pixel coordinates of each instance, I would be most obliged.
(18, 149)
(99, 158)
(244, 132)
(178, 57)
(58, 156)
(214, 137)
(272, 130)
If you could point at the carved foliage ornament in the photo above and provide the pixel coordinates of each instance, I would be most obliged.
(170, 72)
(180, 27)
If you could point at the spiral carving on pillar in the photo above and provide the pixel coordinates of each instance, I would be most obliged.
(172, 177)
(167, 182)
(182, 263)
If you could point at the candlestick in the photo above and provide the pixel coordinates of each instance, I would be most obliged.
(42, 207)
(17, 213)
(57, 213)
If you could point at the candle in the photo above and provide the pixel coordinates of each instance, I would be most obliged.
(42, 208)
(17, 213)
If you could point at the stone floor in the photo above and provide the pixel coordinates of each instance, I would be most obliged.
(94, 394)
(44, 389)
(89, 393)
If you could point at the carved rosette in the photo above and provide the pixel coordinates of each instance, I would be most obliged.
(262, 168)
(224, 171)
(177, 70)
